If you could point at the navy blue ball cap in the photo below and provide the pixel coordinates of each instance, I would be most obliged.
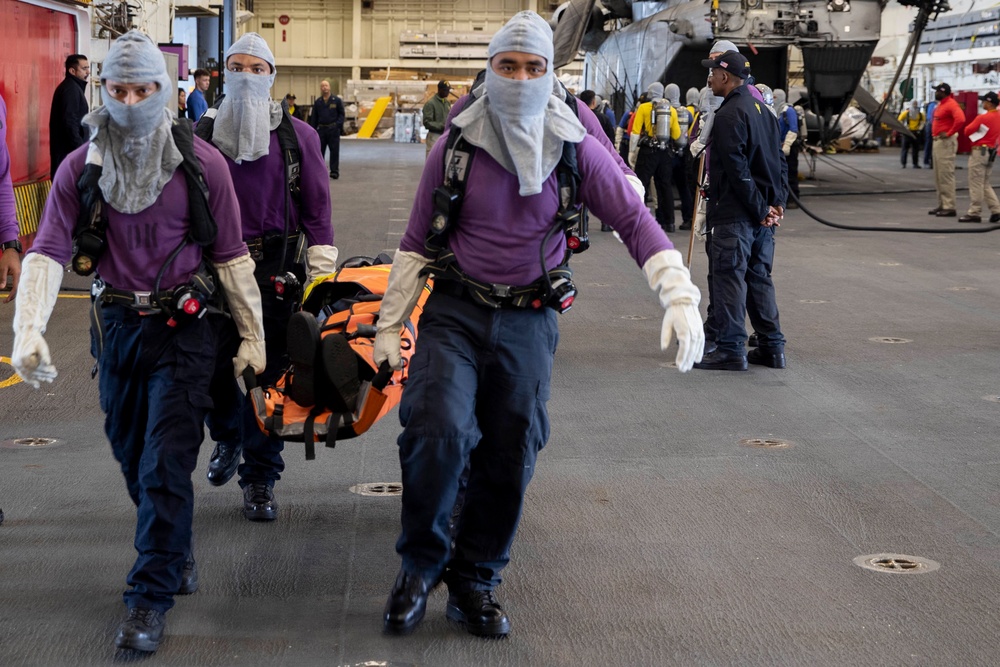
(732, 62)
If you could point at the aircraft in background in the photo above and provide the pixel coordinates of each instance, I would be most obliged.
(629, 45)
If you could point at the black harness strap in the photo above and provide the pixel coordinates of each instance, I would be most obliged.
(309, 432)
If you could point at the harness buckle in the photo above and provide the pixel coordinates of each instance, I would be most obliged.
(142, 299)
(500, 291)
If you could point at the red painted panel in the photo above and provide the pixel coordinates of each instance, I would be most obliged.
(969, 101)
(34, 43)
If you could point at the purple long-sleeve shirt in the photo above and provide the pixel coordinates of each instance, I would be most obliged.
(499, 233)
(8, 206)
(260, 188)
(587, 119)
(140, 243)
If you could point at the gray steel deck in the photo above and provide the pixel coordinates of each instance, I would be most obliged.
(651, 537)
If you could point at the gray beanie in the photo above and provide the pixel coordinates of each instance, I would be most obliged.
(133, 58)
(722, 46)
(692, 96)
(526, 32)
(252, 44)
(655, 90)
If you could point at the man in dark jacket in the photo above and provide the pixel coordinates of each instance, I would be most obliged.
(589, 98)
(746, 200)
(328, 118)
(69, 106)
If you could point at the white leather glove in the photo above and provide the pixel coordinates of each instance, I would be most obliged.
(37, 294)
(670, 279)
(696, 147)
(401, 295)
(701, 221)
(637, 186)
(243, 295)
(633, 150)
(786, 147)
(321, 261)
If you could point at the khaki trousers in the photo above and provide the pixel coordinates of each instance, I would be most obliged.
(944, 170)
(980, 169)
(432, 138)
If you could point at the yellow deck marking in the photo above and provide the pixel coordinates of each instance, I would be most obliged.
(13, 379)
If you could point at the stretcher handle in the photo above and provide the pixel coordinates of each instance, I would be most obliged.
(383, 376)
(249, 378)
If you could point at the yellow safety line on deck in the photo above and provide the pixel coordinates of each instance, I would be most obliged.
(13, 379)
(374, 116)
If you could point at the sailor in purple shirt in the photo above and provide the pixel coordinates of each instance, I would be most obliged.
(480, 376)
(247, 128)
(10, 247)
(155, 354)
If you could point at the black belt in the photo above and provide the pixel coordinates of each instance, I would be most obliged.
(498, 296)
(141, 301)
(262, 247)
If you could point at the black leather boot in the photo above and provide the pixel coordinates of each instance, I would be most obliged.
(222, 466)
(767, 357)
(259, 503)
(406, 604)
(479, 613)
(142, 630)
(722, 361)
(189, 577)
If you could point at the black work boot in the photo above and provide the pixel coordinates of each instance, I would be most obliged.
(142, 630)
(225, 459)
(259, 503)
(189, 577)
(722, 361)
(775, 358)
(406, 604)
(479, 613)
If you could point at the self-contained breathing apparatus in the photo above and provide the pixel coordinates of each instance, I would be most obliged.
(285, 283)
(555, 288)
(685, 119)
(661, 114)
(180, 304)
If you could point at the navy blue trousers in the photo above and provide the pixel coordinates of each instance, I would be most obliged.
(233, 421)
(742, 254)
(478, 384)
(154, 394)
(330, 137)
(681, 176)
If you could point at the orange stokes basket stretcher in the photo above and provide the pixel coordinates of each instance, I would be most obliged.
(331, 347)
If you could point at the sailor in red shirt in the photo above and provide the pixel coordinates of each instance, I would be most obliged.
(984, 132)
(949, 119)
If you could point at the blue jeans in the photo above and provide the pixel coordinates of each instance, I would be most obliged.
(154, 393)
(479, 381)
